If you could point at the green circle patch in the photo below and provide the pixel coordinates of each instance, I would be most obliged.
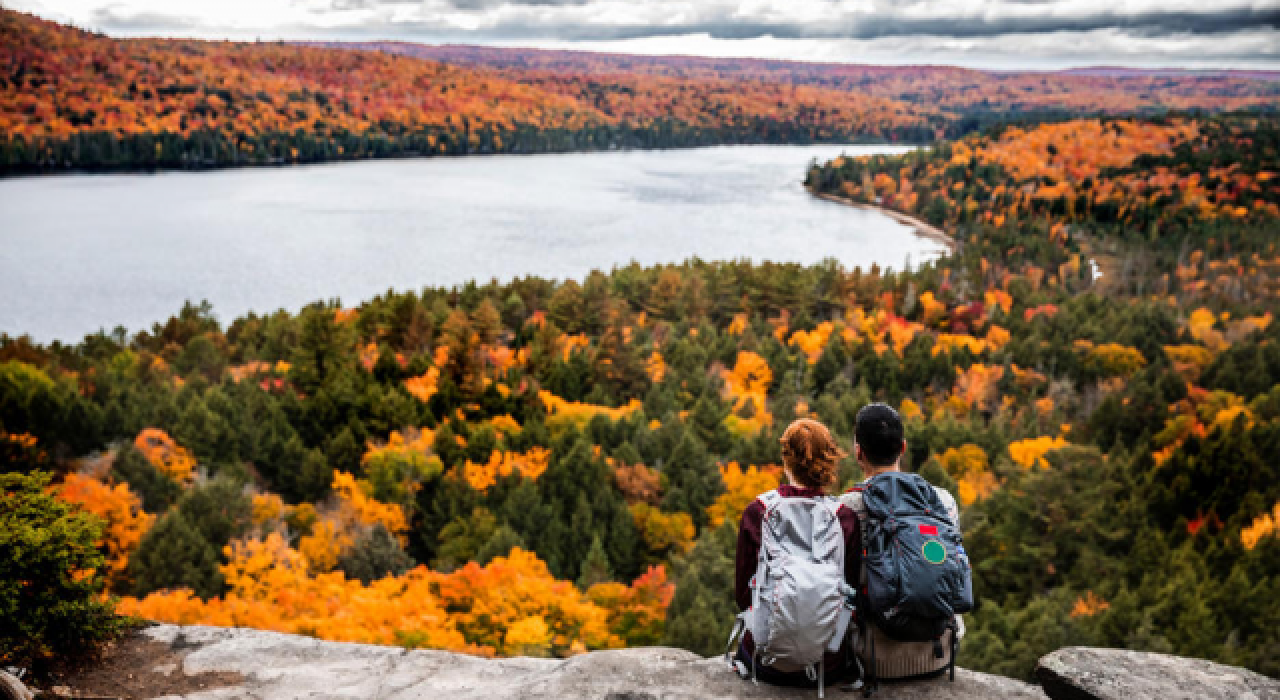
(934, 552)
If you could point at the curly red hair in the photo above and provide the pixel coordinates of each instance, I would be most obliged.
(811, 454)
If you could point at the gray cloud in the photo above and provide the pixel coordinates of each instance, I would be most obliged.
(117, 17)
(1153, 23)
(461, 5)
(490, 4)
(1174, 31)
(561, 19)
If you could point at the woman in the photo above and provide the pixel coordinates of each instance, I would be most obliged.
(810, 458)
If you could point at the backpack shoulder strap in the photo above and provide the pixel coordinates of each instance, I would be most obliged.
(769, 499)
(828, 534)
(852, 499)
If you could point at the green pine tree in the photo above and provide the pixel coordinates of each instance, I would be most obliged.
(693, 482)
(703, 610)
(217, 510)
(595, 568)
(933, 473)
(173, 554)
(156, 489)
(504, 540)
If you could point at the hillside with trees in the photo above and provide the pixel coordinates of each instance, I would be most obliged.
(74, 100)
(540, 467)
(974, 96)
(70, 99)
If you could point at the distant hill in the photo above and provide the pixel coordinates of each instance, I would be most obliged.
(1097, 89)
(71, 99)
(1121, 71)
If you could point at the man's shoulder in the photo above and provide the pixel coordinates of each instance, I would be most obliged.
(852, 499)
(949, 502)
(945, 496)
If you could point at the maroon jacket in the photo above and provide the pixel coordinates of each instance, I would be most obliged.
(749, 552)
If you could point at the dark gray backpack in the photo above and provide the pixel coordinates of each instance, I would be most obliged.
(918, 575)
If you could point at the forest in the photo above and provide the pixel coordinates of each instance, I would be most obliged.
(543, 467)
(71, 100)
(962, 92)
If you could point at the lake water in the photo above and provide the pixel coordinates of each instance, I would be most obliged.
(82, 253)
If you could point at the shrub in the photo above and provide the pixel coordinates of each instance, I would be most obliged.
(375, 554)
(50, 576)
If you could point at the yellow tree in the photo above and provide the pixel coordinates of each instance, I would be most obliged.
(1031, 452)
(741, 487)
(967, 464)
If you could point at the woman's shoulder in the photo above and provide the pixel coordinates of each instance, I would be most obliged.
(755, 509)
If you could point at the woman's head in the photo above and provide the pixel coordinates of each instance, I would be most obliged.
(810, 454)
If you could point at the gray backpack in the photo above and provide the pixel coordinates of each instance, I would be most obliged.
(800, 603)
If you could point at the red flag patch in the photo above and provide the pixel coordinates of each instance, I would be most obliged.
(929, 529)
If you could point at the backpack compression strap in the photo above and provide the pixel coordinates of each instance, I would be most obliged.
(768, 499)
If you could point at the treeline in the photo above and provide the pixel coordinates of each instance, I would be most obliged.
(104, 151)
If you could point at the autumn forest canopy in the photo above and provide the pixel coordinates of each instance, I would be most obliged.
(72, 100)
(543, 467)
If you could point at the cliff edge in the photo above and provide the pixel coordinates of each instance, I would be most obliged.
(213, 663)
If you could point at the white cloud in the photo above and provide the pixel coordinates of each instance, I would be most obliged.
(983, 33)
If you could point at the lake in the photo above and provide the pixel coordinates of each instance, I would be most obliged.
(80, 253)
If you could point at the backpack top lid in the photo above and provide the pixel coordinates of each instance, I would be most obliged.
(899, 494)
(802, 526)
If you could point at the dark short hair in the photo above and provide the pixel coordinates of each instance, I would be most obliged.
(878, 431)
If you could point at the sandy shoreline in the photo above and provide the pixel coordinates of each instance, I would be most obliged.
(918, 227)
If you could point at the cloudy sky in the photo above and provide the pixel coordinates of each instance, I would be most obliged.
(1004, 34)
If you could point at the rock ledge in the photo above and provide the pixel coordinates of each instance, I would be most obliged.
(282, 667)
(1080, 673)
(216, 663)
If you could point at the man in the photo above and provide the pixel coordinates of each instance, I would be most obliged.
(879, 444)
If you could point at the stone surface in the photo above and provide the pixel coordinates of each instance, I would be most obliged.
(1079, 673)
(11, 688)
(281, 667)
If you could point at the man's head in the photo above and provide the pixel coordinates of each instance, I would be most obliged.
(878, 435)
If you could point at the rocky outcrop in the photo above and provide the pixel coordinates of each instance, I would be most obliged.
(12, 689)
(1079, 673)
(279, 667)
(214, 663)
